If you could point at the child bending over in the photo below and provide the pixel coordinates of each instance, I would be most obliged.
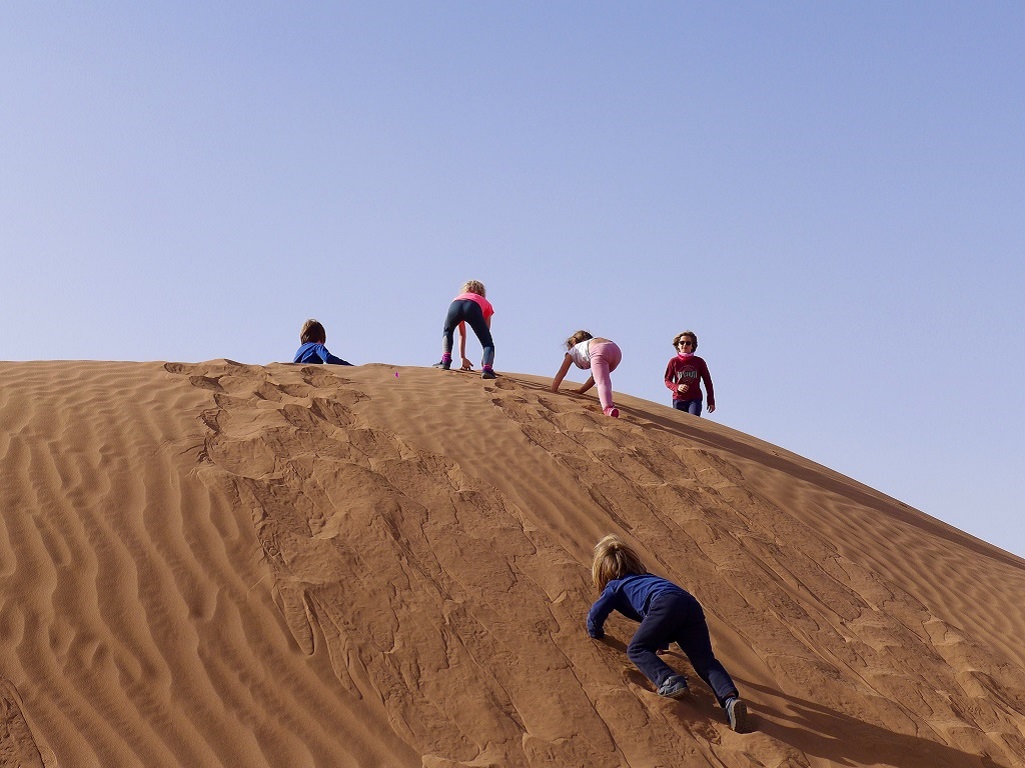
(471, 307)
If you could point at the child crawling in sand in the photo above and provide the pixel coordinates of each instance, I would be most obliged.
(602, 357)
(313, 337)
(667, 614)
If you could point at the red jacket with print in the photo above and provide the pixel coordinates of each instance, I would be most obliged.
(689, 369)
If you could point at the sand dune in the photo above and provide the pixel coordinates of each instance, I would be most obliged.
(220, 564)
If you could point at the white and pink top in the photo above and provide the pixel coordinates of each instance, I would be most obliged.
(580, 354)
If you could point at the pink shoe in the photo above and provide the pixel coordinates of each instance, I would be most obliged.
(612, 411)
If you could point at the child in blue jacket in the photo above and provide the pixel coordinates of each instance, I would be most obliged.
(313, 337)
(667, 614)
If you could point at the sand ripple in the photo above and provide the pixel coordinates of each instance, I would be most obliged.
(220, 564)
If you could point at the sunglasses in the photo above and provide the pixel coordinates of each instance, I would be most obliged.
(685, 343)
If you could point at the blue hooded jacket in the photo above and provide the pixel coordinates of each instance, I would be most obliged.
(315, 352)
(631, 596)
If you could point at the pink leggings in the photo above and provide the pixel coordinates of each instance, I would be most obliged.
(605, 358)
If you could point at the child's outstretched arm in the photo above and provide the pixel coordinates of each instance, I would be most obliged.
(587, 385)
(466, 365)
(326, 357)
(563, 370)
(598, 613)
(336, 360)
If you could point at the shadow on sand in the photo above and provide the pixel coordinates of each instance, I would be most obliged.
(844, 740)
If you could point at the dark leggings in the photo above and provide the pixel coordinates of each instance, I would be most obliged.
(468, 311)
(677, 617)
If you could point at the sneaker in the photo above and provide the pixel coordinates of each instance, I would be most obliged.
(487, 373)
(612, 411)
(444, 365)
(736, 713)
(674, 687)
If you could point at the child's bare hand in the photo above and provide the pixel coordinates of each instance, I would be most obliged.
(467, 365)
(683, 388)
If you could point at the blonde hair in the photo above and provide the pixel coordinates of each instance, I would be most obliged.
(578, 337)
(684, 335)
(474, 286)
(614, 559)
(312, 331)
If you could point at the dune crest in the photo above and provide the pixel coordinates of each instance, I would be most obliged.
(221, 564)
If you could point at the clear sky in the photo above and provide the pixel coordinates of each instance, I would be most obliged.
(832, 195)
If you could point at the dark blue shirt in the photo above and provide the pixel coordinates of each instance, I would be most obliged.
(631, 596)
(314, 352)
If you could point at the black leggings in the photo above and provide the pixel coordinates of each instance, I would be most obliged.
(469, 311)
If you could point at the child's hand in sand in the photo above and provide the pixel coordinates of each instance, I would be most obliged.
(466, 366)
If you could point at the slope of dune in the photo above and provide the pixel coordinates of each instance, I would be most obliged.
(220, 564)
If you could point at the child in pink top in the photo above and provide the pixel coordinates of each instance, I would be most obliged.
(602, 357)
(471, 307)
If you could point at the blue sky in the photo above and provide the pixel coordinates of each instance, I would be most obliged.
(830, 194)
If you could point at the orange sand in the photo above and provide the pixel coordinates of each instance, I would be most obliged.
(218, 564)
